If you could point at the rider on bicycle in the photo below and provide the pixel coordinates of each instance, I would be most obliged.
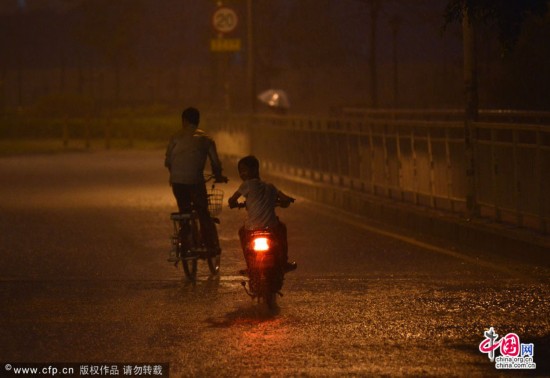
(186, 156)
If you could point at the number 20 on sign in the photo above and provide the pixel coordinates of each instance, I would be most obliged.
(224, 20)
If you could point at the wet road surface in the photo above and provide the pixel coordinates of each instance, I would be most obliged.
(84, 278)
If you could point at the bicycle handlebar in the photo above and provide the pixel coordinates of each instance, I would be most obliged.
(217, 179)
(241, 205)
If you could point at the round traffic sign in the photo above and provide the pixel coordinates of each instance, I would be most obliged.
(225, 20)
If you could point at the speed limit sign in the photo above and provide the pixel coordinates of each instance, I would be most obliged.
(225, 20)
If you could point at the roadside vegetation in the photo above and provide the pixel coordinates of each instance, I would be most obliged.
(61, 124)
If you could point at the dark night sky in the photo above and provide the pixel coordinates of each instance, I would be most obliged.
(289, 35)
(338, 28)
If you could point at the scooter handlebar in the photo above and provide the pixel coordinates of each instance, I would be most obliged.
(241, 205)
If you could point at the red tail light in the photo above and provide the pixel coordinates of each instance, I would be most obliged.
(260, 244)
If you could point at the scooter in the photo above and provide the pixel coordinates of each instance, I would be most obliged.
(265, 265)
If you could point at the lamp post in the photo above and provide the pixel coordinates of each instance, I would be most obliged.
(470, 111)
(374, 9)
(395, 23)
(250, 76)
(19, 61)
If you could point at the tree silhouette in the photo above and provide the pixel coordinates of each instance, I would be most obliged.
(507, 15)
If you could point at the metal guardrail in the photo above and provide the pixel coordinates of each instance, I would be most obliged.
(421, 161)
(508, 116)
(416, 161)
(513, 174)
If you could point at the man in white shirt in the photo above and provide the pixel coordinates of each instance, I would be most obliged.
(186, 157)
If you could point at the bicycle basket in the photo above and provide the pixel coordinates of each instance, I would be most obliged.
(215, 201)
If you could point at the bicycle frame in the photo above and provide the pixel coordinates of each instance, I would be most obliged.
(187, 240)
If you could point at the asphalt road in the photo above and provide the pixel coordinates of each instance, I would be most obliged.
(84, 279)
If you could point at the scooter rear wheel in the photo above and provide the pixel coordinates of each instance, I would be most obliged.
(270, 300)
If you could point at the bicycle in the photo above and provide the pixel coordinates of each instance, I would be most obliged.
(188, 245)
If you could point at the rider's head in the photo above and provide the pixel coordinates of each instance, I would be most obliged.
(191, 116)
(249, 167)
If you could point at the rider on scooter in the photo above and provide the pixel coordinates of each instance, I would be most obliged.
(261, 199)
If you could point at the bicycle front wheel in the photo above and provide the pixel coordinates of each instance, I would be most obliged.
(190, 269)
(214, 264)
(214, 261)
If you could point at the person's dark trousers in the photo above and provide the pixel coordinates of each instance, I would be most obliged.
(188, 195)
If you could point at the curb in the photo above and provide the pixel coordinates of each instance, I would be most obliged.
(500, 239)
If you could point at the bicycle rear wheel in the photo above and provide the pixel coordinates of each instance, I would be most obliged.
(190, 264)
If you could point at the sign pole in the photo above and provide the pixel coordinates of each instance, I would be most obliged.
(224, 21)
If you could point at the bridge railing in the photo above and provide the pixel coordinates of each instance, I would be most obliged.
(513, 173)
(415, 161)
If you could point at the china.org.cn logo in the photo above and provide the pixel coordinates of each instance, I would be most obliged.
(513, 354)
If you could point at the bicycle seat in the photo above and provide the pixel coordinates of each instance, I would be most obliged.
(180, 216)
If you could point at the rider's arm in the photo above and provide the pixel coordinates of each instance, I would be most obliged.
(168, 156)
(214, 159)
(283, 199)
(233, 199)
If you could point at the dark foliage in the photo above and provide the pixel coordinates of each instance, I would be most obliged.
(507, 15)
